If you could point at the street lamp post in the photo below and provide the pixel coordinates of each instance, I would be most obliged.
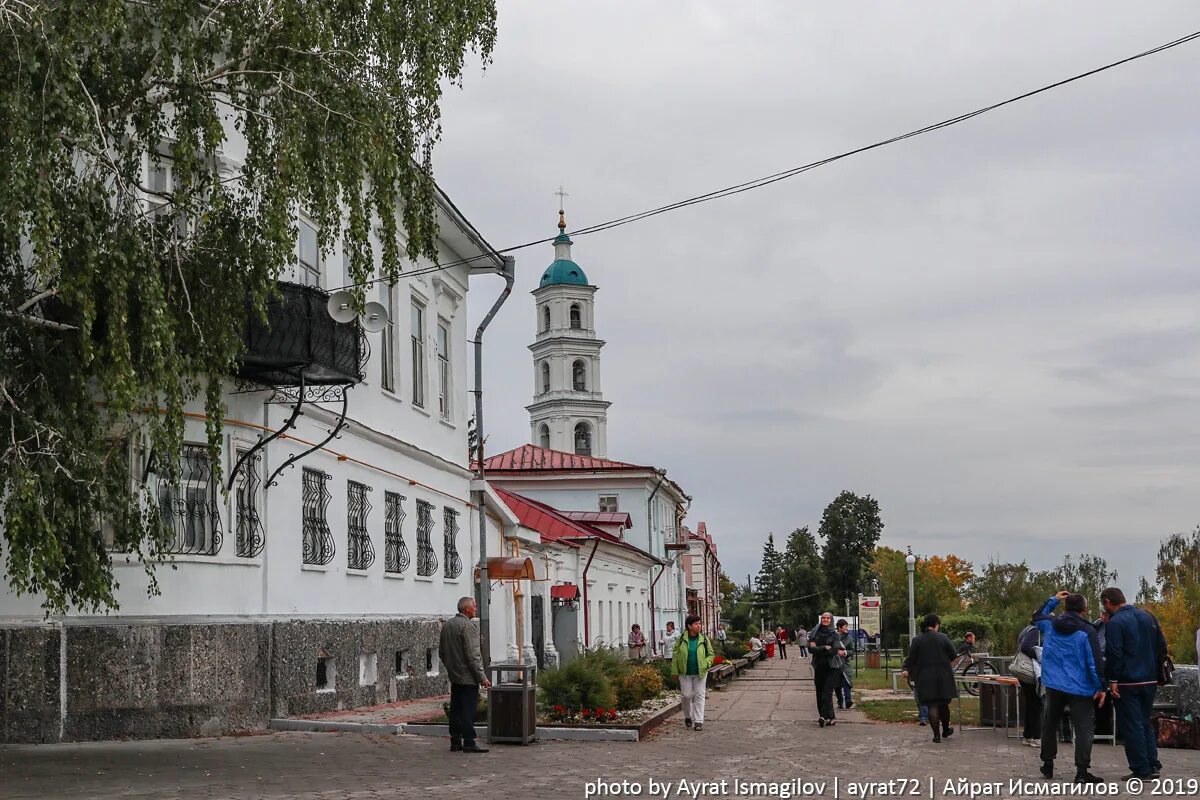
(910, 561)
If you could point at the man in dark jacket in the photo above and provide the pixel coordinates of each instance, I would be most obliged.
(458, 651)
(1135, 648)
(1071, 674)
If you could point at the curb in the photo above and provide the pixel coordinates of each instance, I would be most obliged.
(322, 726)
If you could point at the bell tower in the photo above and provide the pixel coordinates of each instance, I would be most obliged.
(568, 412)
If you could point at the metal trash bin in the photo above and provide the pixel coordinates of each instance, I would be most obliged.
(512, 703)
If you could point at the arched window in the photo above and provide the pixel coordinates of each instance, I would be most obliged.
(579, 376)
(545, 376)
(583, 439)
(544, 436)
(545, 318)
(576, 317)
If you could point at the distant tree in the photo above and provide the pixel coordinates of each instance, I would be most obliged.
(803, 582)
(1010, 593)
(933, 589)
(1175, 596)
(957, 571)
(1088, 576)
(768, 587)
(730, 593)
(850, 527)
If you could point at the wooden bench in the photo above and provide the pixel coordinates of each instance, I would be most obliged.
(720, 675)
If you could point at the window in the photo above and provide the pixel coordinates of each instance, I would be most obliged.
(368, 669)
(326, 674)
(443, 354)
(418, 354)
(318, 547)
(576, 317)
(583, 439)
(189, 507)
(545, 377)
(246, 498)
(427, 563)
(360, 554)
(579, 376)
(387, 353)
(164, 184)
(544, 436)
(395, 552)
(545, 318)
(404, 664)
(608, 503)
(451, 562)
(308, 255)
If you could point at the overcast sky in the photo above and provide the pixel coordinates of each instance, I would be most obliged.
(991, 329)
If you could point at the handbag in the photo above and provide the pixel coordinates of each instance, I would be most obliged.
(1023, 668)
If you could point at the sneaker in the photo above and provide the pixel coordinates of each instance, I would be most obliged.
(687, 722)
(699, 726)
(1032, 742)
(1087, 777)
(821, 722)
(1047, 769)
(923, 723)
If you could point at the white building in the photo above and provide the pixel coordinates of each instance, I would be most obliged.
(320, 579)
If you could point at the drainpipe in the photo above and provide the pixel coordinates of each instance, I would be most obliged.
(661, 569)
(485, 586)
(709, 628)
(587, 617)
(662, 476)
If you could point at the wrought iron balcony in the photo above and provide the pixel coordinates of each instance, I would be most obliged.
(299, 344)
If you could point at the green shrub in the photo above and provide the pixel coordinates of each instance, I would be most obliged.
(663, 667)
(580, 684)
(732, 649)
(605, 660)
(956, 626)
(639, 685)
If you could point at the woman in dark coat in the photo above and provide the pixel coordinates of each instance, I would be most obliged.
(827, 652)
(928, 663)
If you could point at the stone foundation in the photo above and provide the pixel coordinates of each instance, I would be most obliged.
(172, 680)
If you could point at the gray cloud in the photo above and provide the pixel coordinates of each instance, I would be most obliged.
(991, 329)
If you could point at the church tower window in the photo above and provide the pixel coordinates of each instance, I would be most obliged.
(583, 439)
(576, 317)
(579, 376)
(544, 437)
(545, 318)
(545, 377)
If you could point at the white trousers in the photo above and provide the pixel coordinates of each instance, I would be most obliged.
(692, 687)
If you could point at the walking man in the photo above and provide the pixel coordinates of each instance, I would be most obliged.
(1071, 674)
(1135, 648)
(458, 650)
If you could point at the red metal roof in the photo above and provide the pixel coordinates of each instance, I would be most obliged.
(554, 526)
(566, 591)
(600, 517)
(529, 457)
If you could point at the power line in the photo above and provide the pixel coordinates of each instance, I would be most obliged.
(767, 180)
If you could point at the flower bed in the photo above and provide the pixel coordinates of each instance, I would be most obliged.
(562, 717)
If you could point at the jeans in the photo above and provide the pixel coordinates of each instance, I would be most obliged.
(1082, 718)
(692, 687)
(803, 650)
(842, 692)
(922, 712)
(782, 650)
(463, 701)
(1133, 721)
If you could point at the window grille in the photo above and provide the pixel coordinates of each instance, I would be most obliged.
(189, 508)
(427, 563)
(453, 564)
(395, 551)
(250, 540)
(318, 539)
(360, 554)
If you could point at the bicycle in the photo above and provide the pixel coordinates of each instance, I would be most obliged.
(969, 665)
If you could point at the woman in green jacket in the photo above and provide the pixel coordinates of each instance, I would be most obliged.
(691, 661)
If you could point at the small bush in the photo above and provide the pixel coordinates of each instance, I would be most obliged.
(732, 649)
(607, 661)
(642, 683)
(663, 667)
(578, 685)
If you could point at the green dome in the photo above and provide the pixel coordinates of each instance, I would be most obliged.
(564, 271)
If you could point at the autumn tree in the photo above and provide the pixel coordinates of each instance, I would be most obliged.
(1175, 596)
(154, 158)
(850, 527)
(934, 590)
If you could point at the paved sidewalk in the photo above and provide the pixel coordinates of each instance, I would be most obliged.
(761, 727)
(387, 714)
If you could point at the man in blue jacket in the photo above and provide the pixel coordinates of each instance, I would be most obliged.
(1135, 648)
(1071, 673)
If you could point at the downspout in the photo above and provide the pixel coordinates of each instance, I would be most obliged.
(587, 617)
(485, 587)
(708, 627)
(661, 569)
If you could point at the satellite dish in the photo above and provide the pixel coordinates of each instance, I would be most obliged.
(375, 317)
(341, 307)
